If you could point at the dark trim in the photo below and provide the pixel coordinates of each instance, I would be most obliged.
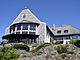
(25, 23)
(31, 36)
(49, 30)
(65, 35)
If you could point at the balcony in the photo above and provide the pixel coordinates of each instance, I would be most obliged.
(24, 29)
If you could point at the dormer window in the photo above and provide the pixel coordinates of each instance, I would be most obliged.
(59, 31)
(65, 31)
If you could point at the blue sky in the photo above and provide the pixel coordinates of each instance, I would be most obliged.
(59, 12)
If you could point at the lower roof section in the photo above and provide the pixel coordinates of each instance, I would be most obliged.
(31, 36)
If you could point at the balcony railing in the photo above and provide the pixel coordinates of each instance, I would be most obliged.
(32, 32)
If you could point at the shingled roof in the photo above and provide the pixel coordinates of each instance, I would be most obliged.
(26, 16)
(71, 30)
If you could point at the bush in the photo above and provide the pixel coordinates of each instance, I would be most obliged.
(8, 53)
(24, 55)
(1, 55)
(75, 42)
(22, 47)
(40, 46)
(63, 55)
(61, 49)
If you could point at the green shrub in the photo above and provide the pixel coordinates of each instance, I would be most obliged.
(61, 49)
(14, 53)
(22, 47)
(75, 42)
(40, 46)
(4, 49)
(24, 55)
(8, 53)
(70, 52)
(1, 55)
(63, 55)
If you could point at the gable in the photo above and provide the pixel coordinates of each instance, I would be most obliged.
(71, 30)
(26, 16)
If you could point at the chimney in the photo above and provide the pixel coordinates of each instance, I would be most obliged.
(53, 27)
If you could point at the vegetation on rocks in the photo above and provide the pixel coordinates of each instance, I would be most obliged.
(63, 49)
(40, 46)
(21, 46)
(24, 55)
(8, 53)
(75, 42)
(41, 52)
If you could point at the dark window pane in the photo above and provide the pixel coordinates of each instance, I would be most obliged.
(13, 28)
(25, 40)
(17, 32)
(58, 38)
(32, 27)
(19, 27)
(59, 31)
(25, 26)
(66, 37)
(24, 32)
(32, 33)
(65, 31)
(75, 37)
(24, 16)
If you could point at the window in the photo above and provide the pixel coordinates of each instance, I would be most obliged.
(25, 26)
(59, 31)
(17, 32)
(33, 33)
(32, 27)
(75, 37)
(58, 38)
(19, 27)
(14, 28)
(65, 31)
(24, 32)
(25, 40)
(24, 16)
(66, 37)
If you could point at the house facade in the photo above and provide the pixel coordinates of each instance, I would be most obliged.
(28, 28)
(65, 33)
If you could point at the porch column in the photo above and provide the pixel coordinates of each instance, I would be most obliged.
(36, 30)
(21, 29)
(28, 28)
(15, 29)
(71, 37)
